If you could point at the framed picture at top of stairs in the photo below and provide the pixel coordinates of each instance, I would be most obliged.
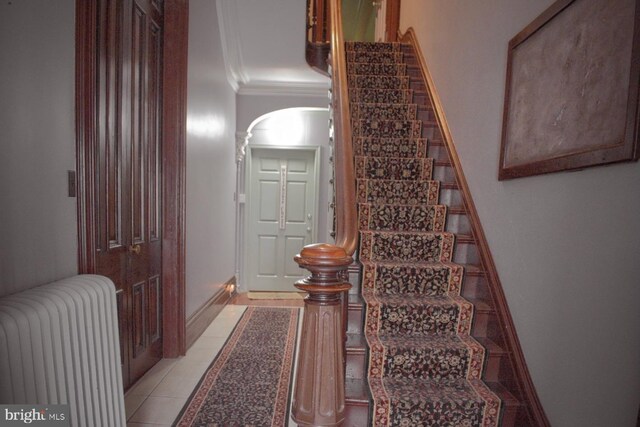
(571, 98)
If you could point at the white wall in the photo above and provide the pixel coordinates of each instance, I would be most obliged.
(566, 245)
(251, 107)
(37, 143)
(210, 246)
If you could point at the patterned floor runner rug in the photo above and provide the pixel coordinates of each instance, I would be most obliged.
(248, 383)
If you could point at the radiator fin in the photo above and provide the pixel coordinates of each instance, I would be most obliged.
(59, 344)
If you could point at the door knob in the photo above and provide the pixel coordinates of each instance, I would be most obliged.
(308, 229)
(135, 249)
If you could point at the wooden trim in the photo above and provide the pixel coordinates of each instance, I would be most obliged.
(174, 159)
(346, 232)
(626, 150)
(174, 143)
(317, 40)
(199, 321)
(530, 396)
(86, 60)
(392, 17)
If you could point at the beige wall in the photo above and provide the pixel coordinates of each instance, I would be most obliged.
(566, 245)
(211, 166)
(37, 143)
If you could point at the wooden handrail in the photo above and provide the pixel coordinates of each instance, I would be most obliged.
(328, 13)
(317, 39)
(345, 183)
(319, 396)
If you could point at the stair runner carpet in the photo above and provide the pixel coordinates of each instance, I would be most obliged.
(424, 367)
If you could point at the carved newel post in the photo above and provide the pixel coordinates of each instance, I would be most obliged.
(318, 399)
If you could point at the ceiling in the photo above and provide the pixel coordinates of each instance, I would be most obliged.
(263, 44)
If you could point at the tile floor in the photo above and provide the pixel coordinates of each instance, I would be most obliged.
(157, 398)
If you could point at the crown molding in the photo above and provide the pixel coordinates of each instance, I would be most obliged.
(267, 88)
(231, 46)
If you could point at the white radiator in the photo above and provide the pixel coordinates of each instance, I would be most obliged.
(59, 345)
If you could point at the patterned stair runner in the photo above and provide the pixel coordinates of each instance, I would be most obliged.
(424, 368)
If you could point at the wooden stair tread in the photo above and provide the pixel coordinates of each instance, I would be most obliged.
(473, 270)
(449, 186)
(457, 210)
(480, 305)
(465, 238)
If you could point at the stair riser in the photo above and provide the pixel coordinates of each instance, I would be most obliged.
(493, 367)
(401, 168)
(388, 128)
(450, 197)
(458, 223)
(377, 96)
(456, 415)
(384, 112)
(433, 247)
(355, 320)
(431, 132)
(475, 287)
(430, 363)
(425, 115)
(379, 69)
(355, 415)
(356, 365)
(410, 148)
(466, 253)
(444, 174)
(485, 324)
(402, 218)
(401, 193)
(420, 98)
(375, 57)
(378, 82)
(434, 320)
(437, 152)
(354, 280)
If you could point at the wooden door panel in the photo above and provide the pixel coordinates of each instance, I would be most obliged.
(104, 30)
(127, 180)
(155, 309)
(145, 260)
(154, 122)
(138, 316)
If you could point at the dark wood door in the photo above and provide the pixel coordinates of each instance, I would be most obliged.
(127, 186)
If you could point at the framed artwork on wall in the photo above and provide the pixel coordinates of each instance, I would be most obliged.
(571, 98)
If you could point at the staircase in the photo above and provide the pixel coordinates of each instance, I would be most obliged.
(423, 344)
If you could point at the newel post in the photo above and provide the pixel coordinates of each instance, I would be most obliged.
(318, 399)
